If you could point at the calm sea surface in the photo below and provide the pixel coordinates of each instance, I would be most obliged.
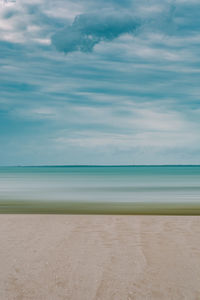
(128, 184)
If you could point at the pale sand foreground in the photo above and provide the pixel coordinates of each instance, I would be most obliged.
(99, 257)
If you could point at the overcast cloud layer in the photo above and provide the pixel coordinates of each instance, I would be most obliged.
(99, 82)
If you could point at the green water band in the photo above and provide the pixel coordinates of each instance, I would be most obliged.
(104, 208)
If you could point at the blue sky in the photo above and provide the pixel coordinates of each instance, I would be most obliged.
(99, 82)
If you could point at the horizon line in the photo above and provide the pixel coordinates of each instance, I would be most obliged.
(88, 165)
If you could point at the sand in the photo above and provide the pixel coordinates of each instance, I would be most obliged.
(99, 257)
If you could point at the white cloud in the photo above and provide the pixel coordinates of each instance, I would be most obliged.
(126, 142)
(35, 113)
(141, 127)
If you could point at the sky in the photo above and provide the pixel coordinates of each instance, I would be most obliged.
(99, 82)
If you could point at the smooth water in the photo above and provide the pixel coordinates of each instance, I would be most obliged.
(96, 184)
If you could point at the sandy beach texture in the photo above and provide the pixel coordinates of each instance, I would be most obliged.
(99, 257)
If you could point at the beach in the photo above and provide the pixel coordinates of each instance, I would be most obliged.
(99, 257)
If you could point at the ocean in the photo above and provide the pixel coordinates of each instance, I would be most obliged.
(99, 184)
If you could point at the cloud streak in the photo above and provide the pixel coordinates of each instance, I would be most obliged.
(87, 30)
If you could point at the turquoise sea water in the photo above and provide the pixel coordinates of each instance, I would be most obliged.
(124, 184)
